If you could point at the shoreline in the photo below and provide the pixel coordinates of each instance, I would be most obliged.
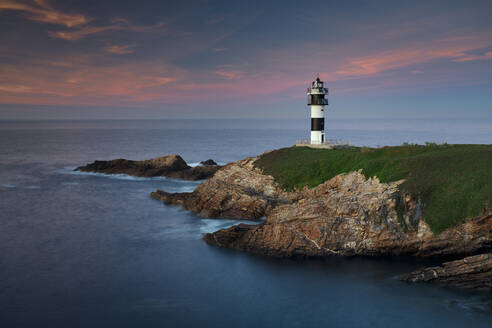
(348, 215)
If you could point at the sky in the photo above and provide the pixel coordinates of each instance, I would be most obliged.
(244, 59)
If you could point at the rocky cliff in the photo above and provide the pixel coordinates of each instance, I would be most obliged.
(171, 166)
(347, 215)
(473, 272)
(237, 191)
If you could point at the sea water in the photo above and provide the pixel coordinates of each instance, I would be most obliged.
(93, 250)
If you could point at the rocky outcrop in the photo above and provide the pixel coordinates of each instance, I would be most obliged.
(314, 237)
(171, 166)
(238, 190)
(208, 162)
(347, 215)
(473, 272)
(351, 215)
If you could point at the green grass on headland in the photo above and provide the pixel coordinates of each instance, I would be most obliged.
(453, 181)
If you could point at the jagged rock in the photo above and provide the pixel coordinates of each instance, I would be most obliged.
(208, 162)
(313, 237)
(172, 166)
(236, 191)
(473, 272)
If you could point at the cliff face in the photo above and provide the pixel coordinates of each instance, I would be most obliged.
(347, 236)
(473, 272)
(171, 166)
(347, 215)
(238, 191)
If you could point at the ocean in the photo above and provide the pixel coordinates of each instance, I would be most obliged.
(92, 250)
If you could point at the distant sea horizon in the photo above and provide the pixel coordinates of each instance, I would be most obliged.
(373, 132)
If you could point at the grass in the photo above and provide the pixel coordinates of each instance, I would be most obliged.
(453, 181)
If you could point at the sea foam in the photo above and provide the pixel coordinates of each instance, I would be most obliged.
(212, 225)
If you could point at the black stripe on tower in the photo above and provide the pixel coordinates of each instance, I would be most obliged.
(317, 100)
(317, 124)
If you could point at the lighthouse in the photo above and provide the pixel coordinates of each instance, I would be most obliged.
(317, 102)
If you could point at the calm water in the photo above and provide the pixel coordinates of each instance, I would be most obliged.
(88, 250)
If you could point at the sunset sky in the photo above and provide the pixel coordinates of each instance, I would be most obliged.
(209, 59)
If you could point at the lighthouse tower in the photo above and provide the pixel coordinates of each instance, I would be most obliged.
(317, 101)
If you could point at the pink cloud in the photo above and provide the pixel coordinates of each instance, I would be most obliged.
(79, 82)
(83, 83)
(454, 49)
(370, 65)
(15, 88)
(233, 74)
(120, 50)
(42, 11)
(122, 25)
(465, 58)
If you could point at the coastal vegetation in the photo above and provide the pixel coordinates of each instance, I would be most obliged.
(452, 182)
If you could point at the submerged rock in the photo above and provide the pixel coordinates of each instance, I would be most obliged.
(172, 166)
(473, 272)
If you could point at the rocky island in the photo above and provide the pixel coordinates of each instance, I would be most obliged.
(171, 166)
(423, 201)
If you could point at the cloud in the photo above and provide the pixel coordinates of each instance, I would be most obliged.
(121, 25)
(232, 74)
(42, 11)
(120, 50)
(80, 33)
(466, 58)
(454, 50)
(80, 81)
(370, 65)
(15, 88)
(253, 71)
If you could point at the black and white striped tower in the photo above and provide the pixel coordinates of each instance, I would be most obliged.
(317, 101)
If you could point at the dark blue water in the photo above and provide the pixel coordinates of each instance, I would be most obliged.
(87, 250)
